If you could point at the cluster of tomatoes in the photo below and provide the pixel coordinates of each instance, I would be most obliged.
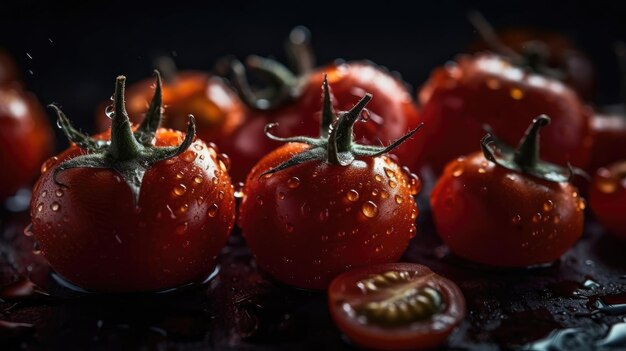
(142, 207)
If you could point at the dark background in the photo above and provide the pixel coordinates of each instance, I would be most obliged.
(77, 48)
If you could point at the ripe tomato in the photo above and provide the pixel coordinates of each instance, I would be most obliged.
(487, 89)
(546, 51)
(125, 211)
(314, 208)
(607, 198)
(507, 208)
(294, 104)
(609, 142)
(395, 306)
(25, 138)
(216, 107)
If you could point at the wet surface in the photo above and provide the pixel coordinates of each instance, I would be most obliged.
(578, 303)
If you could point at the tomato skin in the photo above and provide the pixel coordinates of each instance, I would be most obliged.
(492, 215)
(343, 289)
(92, 234)
(607, 198)
(25, 138)
(392, 111)
(609, 143)
(485, 89)
(304, 232)
(216, 107)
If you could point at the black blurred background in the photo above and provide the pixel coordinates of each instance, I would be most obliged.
(78, 48)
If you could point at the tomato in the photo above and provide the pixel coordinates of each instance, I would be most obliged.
(316, 207)
(487, 89)
(546, 51)
(506, 207)
(216, 107)
(609, 144)
(125, 212)
(295, 104)
(395, 306)
(25, 138)
(607, 198)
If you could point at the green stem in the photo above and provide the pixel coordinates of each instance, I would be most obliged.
(327, 110)
(527, 153)
(124, 146)
(299, 50)
(340, 140)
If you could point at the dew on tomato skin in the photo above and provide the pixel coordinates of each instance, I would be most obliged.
(317, 261)
(59, 193)
(212, 212)
(482, 170)
(556, 219)
(198, 147)
(239, 190)
(259, 200)
(293, 182)
(378, 178)
(390, 173)
(516, 219)
(181, 228)
(324, 215)
(536, 217)
(188, 156)
(305, 209)
(224, 162)
(581, 204)
(28, 231)
(398, 199)
(413, 213)
(341, 234)
(352, 195)
(44, 193)
(548, 206)
(221, 194)
(180, 175)
(198, 179)
(369, 209)
(183, 208)
(393, 184)
(415, 186)
(516, 93)
(55, 206)
(180, 190)
(46, 165)
(281, 195)
(375, 192)
(365, 115)
(384, 194)
(458, 169)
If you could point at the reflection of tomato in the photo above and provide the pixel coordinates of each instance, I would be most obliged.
(25, 138)
(509, 209)
(486, 89)
(395, 306)
(216, 108)
(609, 144)
(8, 71)
(319, 217)
(105, 225)
(607, 198)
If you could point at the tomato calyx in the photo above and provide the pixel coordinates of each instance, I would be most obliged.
(525, 159)
(534, 56)
(335, 144)
(283, 84)
(128, 153)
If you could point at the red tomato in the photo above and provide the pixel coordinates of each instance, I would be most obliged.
(607, 198)
(509, 209)
(311, 211)
(296, 104)
(216, 107)
(609, 142)
(25, 138)
(107, 226)
(395, 306)
(486, 89)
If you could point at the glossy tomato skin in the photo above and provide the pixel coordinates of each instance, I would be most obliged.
(607, 198)
(308, 223)
(216, 107)
(392, 113)
(420, 336)
(609, 143)
(485, 89)
(498, 217)
(25, 138)
(92, 235)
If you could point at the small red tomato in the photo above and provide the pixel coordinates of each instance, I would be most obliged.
(607, 198)
(216, 107)
(547, 52)
(395, 306)
(293, 102)
(133, 211)
(486, 89)
(316, 207)
(609, 142)
(506, 207)
(25, 138)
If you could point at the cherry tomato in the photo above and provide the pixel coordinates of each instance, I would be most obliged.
(486, 89)
(607, 198)
(25, 138)
(549, 51)
(216, 107)
(295, 104)
(506, 207)
(395, 306)
(312, 210)
(609, 142)
(142, 211)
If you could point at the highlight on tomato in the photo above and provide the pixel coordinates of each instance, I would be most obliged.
(133, 209)
(607, 198)
(506, 207)
(317, 207)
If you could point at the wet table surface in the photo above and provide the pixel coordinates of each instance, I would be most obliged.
(578, 303)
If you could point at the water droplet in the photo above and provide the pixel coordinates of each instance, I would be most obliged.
(389, 172)
(221, 194)
(281, 195)
(384, 195)
(413, 213)
(55, 206)
(109, 111)
(324, 237)
(198, 179)
(389, 231)
(180, 190)
(415, 185)
(259, 200)
(59, 193)
(188, 156)
(182, 228)
(39, 207)
(289, 227)
(365, 115)
(556, 219)
(393, 184)
(398, 199)
(516, 93)
(375, 192)
(183, 208)
(213, 210)
(581, 204)
(224, 162)
(481, 170)
(215, 181)
(352, 195)
(378, 178)
(317, 261)
(180, 175)
(324, 215)
(239, 190)
(293, 182)
(548, 206)
(493, 84)
(458, 169)
(198, 147)
(516, 219)
(369, 209)
(537, 217)
(44, 193)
